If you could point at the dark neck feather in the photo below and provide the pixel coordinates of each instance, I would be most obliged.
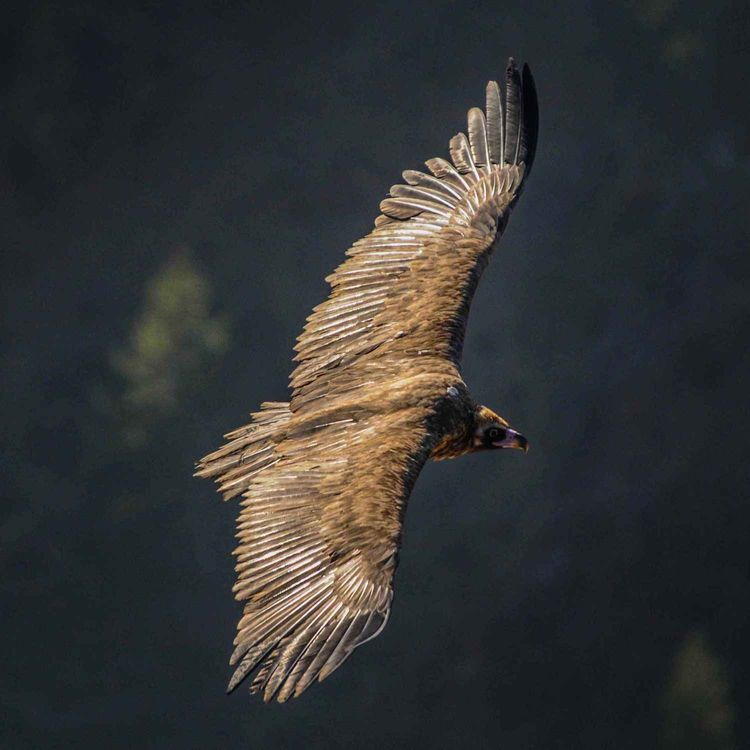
(453, 445)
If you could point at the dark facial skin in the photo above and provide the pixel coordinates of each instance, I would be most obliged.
(501, 436)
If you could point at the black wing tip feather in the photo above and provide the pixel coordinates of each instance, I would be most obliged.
(513, 117)
(530, 116)
(521, 115)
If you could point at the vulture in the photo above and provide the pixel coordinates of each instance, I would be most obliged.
(376, 391)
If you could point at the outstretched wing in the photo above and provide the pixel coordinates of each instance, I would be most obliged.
(319, 534)
(406, 288)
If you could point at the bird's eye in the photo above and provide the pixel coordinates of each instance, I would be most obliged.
(496, 433)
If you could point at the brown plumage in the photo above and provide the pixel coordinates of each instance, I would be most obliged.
(377, 390)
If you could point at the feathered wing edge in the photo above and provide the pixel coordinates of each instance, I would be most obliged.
(248, 450)
(500, 141)
(318, 546)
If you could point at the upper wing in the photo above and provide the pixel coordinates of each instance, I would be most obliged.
(319, 533)
(406, 288)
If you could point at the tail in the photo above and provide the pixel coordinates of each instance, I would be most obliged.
(249, 450)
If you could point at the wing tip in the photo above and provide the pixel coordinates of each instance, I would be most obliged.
(513, 116)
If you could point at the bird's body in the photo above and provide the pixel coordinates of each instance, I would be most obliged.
(376, 392)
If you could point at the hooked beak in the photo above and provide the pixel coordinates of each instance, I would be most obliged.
(513, 439)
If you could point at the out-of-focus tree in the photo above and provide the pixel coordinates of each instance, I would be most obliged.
(174, 338)
(682, 40)
(697, 703)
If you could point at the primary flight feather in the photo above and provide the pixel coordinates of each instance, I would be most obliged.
(377, 390)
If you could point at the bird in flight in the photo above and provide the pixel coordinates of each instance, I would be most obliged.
(376, 391)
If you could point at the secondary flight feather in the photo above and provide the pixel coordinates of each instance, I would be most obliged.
(376, 391)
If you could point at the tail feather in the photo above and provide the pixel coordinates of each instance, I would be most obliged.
(248, 451)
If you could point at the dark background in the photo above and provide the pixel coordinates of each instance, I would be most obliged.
(176, 182)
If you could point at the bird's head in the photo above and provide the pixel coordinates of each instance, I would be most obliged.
(492, 431)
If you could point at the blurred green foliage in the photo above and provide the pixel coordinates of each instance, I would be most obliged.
(697, 703)
(174, 338)
(682, 37)
(655, 13)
